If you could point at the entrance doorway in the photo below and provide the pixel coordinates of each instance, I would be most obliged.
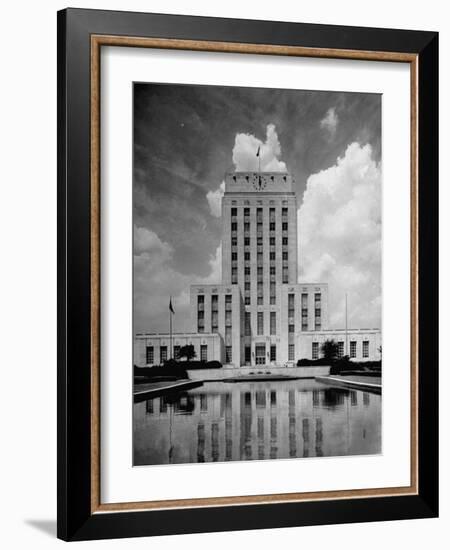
(260, 354)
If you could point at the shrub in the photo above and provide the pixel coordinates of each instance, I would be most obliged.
(196, 365)
(366, 368)
(340, 365)
(170, 369)
(330, 351)
(313, 362)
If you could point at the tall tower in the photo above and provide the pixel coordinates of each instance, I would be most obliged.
(259, 254)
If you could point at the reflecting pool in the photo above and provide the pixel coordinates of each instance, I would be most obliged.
(222, 421)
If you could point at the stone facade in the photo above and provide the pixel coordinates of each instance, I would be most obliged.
(154, 349)
(259, 314)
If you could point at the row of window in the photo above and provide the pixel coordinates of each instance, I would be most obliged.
(214, 312)
(247, 273)
(260, 348)
(259, 226)
(353, 349)
(259, 212)
(259, 242)
(163, 350)
(260, 255)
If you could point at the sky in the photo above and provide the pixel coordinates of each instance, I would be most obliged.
(187, 137)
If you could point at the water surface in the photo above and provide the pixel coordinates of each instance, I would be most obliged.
(222, 421)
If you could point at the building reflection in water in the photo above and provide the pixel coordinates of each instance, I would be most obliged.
(255, 421)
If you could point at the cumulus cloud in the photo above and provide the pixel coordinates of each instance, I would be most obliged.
(245, 160)
(155, 279)
(340, 236)
(330, 121)
(245, 149)
(214, 199)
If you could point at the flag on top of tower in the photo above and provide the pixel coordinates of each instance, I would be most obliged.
(171, 306)
(258, 151)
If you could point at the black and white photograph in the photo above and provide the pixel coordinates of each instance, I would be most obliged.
(257, 274)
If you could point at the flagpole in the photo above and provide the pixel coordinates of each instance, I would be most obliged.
(346, 327)
(170, 317)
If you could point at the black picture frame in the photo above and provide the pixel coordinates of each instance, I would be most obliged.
(76, 521)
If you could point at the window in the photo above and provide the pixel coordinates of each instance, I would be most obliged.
(246, 211)
(247, 270)
(214, 302)
(247, 285)
(340, 349)
(234, 275)
(273, 294)
(233, 226)
(163, 354)
(260, 300)
(228, 354)
(291, 328)
(272, 270)
(259, 257)
(291, 352)
(176, 351)
(200, 301)
(248, 354)
(247, 300)
(272, 255)
(247, 323)
(247, 256)
(259, 215)
(291, 304)
(365, 348)
(203, 352)
(234, 211)
(284, 226)
(149, 353)
(272, 226)
(227, 302)
(285, 275)
(246, 241)
(260, 324)
(304, 300)
(273, 353)
(228, 318)
(285, 256)
(273, 322)
(285, 241)
(246, 226)
(272, 214)
(214, 321)
(200, 324)
(352, 349)
(315, 350)
(317, 297)
(272, 241)
(284, 212)
(234, 256)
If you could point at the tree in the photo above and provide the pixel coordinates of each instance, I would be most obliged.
(187, 351)
(330, 350)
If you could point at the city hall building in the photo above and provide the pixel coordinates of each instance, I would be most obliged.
(259, 314)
